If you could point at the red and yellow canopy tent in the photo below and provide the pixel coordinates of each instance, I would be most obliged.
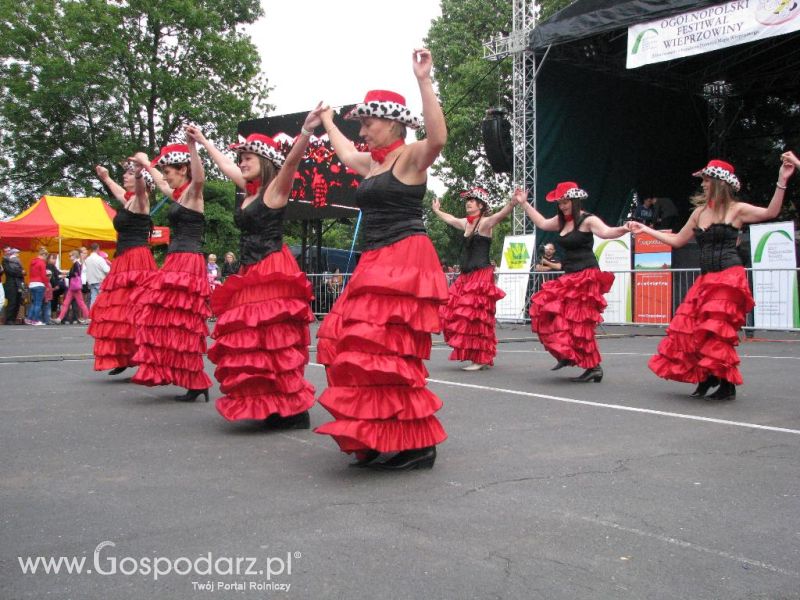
(62, 224)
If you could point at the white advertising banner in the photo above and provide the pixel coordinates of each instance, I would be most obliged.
(513, 276)
(710, 28)
(774, 275)
(615, 255)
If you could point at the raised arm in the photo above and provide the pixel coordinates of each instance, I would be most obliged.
(194, 199)
(675, 240)
(116, 189)
(447, 217)
(344, 148)
(141, 202)
(747, 213)
(521, 198)
(601, 230)
(425, 152)
(158, 178)
(229, 168)
(501, 214)
(277, 193)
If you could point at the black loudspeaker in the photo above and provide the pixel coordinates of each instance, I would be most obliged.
(496, 132)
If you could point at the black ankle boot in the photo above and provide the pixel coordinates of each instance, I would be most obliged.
(298, 421)
(407, 460)
(703, 387)
(192, 395)
(363, 459)
(726, 391)
(117, 370)
(563, 363)
(595, 374)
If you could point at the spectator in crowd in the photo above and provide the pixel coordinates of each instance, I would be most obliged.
(97, 269)
(212, 271)
(230, 265)
(14, 286)
(39, 281)
(548, 259)
(55, 290)
(645, 212)
(74, 286)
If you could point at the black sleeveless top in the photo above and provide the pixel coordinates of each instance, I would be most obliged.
(187, 227)
(577, 245)
(390, 209)
(262, 230)
(133, 230)
(476, 253)
(717, 247)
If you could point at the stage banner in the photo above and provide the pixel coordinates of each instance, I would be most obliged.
(775, 290)
(652, 299)
(615, 256)
(710, 28)
(513, 276)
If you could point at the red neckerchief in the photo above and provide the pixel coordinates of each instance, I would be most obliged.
(711, 204)
(178, 191)
(568, 218)
(252, 187)
(472, 218)
(129, 195)
(379, 154)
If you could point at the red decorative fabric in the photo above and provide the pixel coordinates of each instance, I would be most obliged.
(565, 314)
(468, 319)
(472, 218)
(380, 154)
(252, 187)
(129, 195)
(373, 343)
(178, 191)
(703, 335)
(171, 324)
(262, 339)
(113, 313)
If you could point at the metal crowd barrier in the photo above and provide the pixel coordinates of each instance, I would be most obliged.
(654, 298)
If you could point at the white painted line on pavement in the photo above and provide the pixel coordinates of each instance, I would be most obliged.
(647, 411)
(684, 544)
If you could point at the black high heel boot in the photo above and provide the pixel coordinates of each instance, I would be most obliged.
(726, 391)
(117, 370)
(298, 421)
(192, 395)
(407, 460)
(563, 363)
(703, 387)
(595, 374)
(363, 459)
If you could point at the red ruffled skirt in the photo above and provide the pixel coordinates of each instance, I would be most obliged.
(171, 324)
(566, 312)
(113, 314)
(373, 343)
(703, 335)
(468, 321)
(262, 339)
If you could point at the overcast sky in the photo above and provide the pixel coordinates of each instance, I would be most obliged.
(315, 50)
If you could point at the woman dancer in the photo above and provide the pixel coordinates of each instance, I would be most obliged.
(171, 326)
(263, 313)
(113, 315)
(566, 311)
(468, 319)
(379, 331)
(701, 341)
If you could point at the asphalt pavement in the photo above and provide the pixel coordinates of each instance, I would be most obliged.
(546, 488)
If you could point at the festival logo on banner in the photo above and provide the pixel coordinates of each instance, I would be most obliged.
(615, 256)
(774, 275)
(653, 290)
(710, 28)
(513, 276)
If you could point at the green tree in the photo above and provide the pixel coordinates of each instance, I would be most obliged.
(92, 81)
(468, 85)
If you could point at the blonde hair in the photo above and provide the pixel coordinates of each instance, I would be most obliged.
(719, 191)
(212, 257)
